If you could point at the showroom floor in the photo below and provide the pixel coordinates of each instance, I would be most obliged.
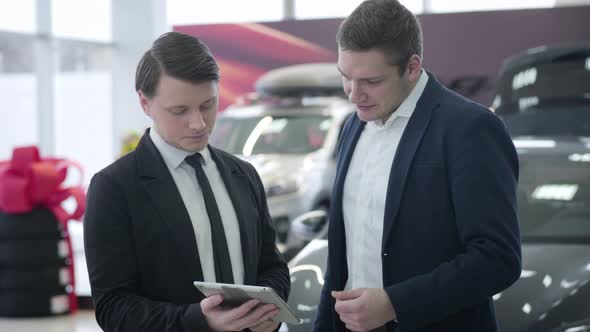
(82, 321)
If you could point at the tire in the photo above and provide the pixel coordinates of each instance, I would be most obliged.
(32, 253)
(34, 304)
(42, 278)
(37, 224)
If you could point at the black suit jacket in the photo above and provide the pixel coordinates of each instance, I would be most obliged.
(141, 250)
(450, 236)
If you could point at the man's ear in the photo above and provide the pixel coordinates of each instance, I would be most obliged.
(414, 68)
(144, 102)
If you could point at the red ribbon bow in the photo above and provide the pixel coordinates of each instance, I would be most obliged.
(27, 181)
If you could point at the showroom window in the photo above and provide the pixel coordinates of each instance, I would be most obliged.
(312, 9)
(56, 79)
(83, 104)
(19, 16)
(18, 86)
(446, 6)
(183, 12)
(87, 20)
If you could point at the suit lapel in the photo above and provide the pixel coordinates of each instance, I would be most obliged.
(406, 150)
(164, 194)
(348, 147)
(237, 185)
(337, 235)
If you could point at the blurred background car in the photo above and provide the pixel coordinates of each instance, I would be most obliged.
(288, 131)
(543, 96)
(545, 91)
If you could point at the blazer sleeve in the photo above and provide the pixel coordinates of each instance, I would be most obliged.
(113, 271)
(272, 268)
(482, 174)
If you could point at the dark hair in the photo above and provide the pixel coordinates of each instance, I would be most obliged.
(179, 55)
(385, 25)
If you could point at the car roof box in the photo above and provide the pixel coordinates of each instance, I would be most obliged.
(546, 54)
(302, 80)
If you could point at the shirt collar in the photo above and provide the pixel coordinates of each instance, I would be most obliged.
(406, 108)
(173, 156)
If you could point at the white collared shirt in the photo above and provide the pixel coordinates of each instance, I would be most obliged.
(365, 190)
(192, 196)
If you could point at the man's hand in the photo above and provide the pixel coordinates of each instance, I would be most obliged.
(267, 326)
(236, 319)
(364, 309)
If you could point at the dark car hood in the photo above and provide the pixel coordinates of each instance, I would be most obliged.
(553, 276)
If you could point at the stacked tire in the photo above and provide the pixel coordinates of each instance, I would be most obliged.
(34, 265)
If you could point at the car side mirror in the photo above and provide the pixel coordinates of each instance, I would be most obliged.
(310, 225)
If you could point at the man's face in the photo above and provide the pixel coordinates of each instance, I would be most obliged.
(183, 113)
(373, 84)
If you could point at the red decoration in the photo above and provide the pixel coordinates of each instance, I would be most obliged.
(28, 181)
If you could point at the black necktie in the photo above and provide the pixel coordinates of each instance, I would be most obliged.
(221, 258)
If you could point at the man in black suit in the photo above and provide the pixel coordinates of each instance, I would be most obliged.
(177, 210)
(423, 225)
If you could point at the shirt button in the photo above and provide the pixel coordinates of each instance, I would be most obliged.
(385, 254)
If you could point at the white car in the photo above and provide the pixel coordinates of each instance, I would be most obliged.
(289, 135)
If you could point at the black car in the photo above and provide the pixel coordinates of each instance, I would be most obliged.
(544, 100)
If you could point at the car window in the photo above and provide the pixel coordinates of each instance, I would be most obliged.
(268, 134)
(554, 195)
(545, 95)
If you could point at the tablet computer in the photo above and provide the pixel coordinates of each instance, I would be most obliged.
(235, 295)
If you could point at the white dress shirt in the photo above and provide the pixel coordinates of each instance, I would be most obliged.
(365, 190)
(192, 196)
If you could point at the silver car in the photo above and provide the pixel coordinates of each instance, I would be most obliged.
(289, 135)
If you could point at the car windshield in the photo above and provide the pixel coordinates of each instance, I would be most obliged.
(553, 192)
(270, 134)
(546, 98)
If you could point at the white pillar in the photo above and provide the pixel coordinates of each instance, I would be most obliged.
(45, 71)
(426, 6)
(136, 24)
(289, 9)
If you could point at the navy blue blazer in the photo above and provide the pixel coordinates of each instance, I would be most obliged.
(141, 248)
(450, 235)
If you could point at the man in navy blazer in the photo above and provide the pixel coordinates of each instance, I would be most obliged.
(423, 225)
(149, 228)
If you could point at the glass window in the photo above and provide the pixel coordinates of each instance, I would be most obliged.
(183, 12)
(18, 92)
(88, 20)
(83, 105)
(441, 6)
(311, 9)
(81, 56)
(18, 15)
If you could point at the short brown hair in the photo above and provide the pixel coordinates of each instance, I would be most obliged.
(179, 55)
(385, 25)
